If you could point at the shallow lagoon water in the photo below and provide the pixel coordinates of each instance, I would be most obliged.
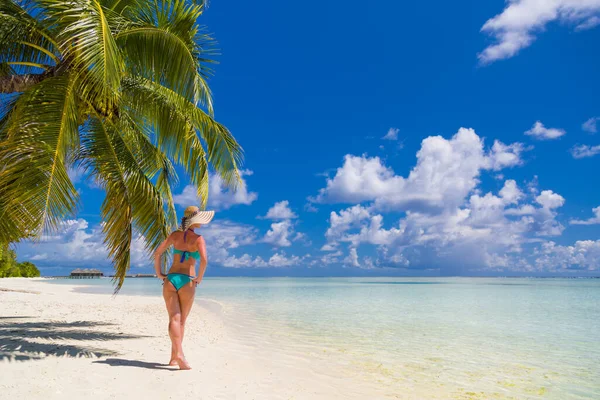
(441, 337)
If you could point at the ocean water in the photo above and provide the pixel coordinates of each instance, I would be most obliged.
(464, 338)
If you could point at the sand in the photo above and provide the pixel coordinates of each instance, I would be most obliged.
(56, 343)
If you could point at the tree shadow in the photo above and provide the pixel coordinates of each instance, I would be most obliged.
(21, 341)
(121, 362)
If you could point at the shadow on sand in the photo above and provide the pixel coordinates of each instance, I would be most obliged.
(21, 340)
(121, 362)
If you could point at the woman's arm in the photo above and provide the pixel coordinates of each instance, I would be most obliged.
(158, 254)
(203, 259)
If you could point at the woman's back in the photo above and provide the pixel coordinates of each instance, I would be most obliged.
(185, 254)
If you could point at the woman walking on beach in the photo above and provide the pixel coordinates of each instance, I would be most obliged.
(180, 283)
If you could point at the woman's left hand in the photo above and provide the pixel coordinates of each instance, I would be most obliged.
(197, 280)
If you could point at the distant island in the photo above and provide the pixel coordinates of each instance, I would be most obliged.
(10, 268)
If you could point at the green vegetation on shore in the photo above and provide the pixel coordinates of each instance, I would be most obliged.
(115, 90)
(10, 268)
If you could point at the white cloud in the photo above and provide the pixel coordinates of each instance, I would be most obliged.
(245, 261)
(539, 131)
(446, 172)
(340, 222)
(329, 258)
(281, 260)
(583, 255)
(505, 156)
(222, 236)
(515, 28)
(392, 134)
(228, 235)
(483, 232)
(591, 125)
(352, 258)
(279, 234)
(281, 210)
(583, 151)
(510, 192)
(359, 179)
(591, 221)
(219, 196)
(75, 244)
(550, 200)
(526, 209)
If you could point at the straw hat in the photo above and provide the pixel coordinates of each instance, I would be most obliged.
(193, 215)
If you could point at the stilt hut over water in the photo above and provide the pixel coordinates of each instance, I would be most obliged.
(86, 273)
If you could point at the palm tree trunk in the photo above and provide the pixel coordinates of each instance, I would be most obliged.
(19, 83)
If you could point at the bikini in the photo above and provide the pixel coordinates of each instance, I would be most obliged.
(180, 280)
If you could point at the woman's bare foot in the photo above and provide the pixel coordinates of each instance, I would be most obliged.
(181, 362)
(173, 361)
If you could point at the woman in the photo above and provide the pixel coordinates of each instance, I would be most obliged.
(179, 285)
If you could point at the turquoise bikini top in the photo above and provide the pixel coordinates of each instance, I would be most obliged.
(186, 254)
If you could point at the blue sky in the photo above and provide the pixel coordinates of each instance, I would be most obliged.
(395, 138)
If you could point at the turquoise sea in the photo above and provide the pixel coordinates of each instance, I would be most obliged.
(475, 338)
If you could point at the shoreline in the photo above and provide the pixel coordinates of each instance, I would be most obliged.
(57, 342)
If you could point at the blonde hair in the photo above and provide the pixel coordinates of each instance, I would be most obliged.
(187, 216)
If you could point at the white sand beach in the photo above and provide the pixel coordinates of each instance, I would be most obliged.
(59, 344)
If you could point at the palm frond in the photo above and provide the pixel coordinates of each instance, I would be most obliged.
(23, 37)
(132, 202)
(173, 116)
(40, 132)
(87, 40)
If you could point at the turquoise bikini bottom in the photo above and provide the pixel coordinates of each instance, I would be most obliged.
(179, 280)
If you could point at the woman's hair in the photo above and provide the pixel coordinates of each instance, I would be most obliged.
(187, 216)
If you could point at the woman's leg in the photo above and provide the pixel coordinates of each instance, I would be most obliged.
(186, 301)
(172, 302)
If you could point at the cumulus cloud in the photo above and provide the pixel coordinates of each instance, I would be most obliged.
(583, 255)
(76, 244)
(339, 223)
(277, 260)
(219, 196)
(279, 234)
(583, 151)
(483, 232)
(392, 134)
(515, 28)
(282, 260)
(539, 131)
(245, 261)
(591, 221)
(550, 200)
(281, 210)
(447, 171)
(591, 125)
(510, 192)
(352, 258)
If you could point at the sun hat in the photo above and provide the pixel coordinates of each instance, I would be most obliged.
(193, 215)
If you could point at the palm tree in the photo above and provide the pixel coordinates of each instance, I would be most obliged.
(116, 88)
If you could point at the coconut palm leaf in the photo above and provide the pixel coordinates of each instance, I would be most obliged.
(40, 133)
(87, 40)
(132, 202)
(165, 48)
(118, 87)
(173, 115)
